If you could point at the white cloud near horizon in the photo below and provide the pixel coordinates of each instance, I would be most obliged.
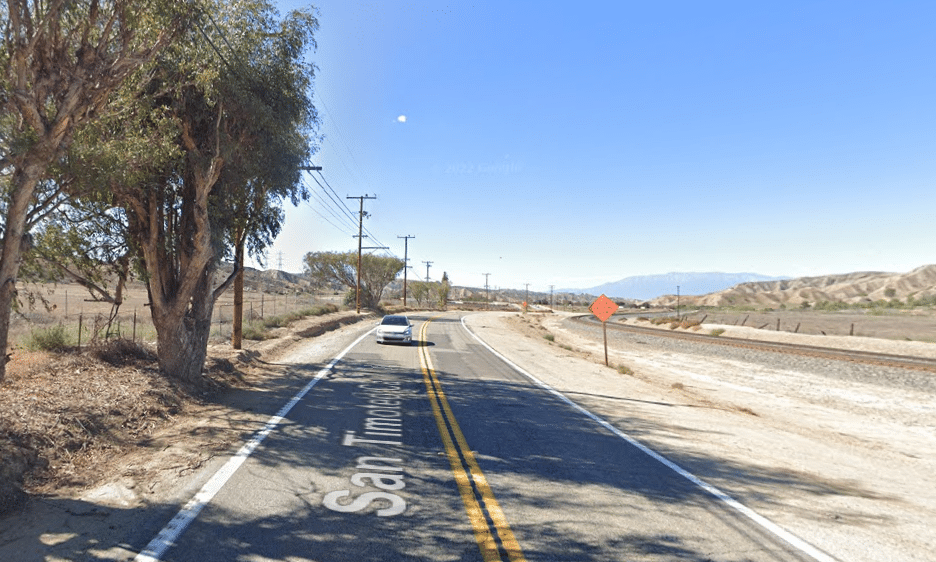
(401, 119)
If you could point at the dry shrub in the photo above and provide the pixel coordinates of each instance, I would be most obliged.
(121, 352)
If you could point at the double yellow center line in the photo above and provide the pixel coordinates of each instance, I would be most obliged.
(493, 534)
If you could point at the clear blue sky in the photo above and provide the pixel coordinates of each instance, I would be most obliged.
(575, 143)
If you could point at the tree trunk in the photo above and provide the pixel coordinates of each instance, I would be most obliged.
(24, 185)
(182, 342)
(182, 349)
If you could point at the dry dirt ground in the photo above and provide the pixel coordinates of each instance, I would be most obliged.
(895, 324)
(69, 421)
(849, 468)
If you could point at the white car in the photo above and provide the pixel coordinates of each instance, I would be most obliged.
(395, 328)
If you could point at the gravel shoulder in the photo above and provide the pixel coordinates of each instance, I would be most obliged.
(844, 462)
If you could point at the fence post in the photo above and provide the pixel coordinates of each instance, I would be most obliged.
(134, 324)
(80, 319)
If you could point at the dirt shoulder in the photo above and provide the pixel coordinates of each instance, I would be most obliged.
(846, 466)
(70, 421)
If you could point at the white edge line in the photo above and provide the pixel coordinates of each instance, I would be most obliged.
(765, 523)
(171, 532)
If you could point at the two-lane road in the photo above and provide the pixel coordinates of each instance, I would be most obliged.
(441, 451)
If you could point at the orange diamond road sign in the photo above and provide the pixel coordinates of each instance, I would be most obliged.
(603, 308)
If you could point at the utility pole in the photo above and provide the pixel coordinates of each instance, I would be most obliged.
(406, 240)
(237, 316)
(428, 263)
(360, 237)
(551, 287)
(677, 302)
(526, 299)
(487, 290)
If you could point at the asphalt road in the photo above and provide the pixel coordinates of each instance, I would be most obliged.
(440, 451)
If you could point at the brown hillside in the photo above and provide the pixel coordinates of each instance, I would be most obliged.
(849, 288)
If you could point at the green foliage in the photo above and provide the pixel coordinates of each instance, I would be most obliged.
(341, 269)
(54, 338)
(717, 332)
(420, 291)
(444, 288)
(549, 337)
(831, 306)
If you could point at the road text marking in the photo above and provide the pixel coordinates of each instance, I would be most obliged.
(174, 529)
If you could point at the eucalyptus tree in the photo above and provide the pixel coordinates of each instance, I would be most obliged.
(83, 242)
(420, 291)
(199, 156)
(60, 60)
(341, 268)
(274, 136)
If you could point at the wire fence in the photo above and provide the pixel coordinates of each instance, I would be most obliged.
(84, 322)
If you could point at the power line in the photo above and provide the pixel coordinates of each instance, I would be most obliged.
(324, 218)
(343, 212)
(345, 219)
(344, 142)
(334, 197)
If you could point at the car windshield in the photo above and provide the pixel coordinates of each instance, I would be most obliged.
(394, 321)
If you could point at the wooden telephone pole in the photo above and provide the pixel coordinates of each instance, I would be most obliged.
(406, 240)
(360, 247)
(237, 316)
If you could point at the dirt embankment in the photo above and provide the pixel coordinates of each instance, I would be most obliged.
(67, 420)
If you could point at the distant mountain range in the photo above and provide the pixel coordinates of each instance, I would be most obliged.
(646, 287)
(858, 287)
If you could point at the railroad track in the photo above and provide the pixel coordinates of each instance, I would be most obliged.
(853, 356)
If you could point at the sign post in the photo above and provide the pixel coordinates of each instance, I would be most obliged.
(603, 308)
